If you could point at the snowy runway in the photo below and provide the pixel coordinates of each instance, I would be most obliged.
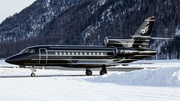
(76, 89)
(161, 84)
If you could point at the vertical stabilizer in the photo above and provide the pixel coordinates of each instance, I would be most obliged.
(146, 28)
(140, 39)
(143, 34)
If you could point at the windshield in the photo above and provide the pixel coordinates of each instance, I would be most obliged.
(27, 51)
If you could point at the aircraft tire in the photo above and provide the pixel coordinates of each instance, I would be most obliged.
(102, 72)
(32, 74)
(88, 72)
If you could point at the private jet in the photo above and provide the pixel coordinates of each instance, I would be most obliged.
(116, 51)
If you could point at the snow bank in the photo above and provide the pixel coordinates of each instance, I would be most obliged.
(2, 62)
(158, 77)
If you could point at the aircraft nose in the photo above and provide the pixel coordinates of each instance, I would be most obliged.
(16, 59)
(9, 60)
(12, 60)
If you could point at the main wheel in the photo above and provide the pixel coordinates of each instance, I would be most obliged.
(102, 72)
(32, 74)
(88, 72)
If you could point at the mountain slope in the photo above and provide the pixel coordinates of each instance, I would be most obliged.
(32, 19)
(87, 22)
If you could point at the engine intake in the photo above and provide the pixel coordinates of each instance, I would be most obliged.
(118, 42)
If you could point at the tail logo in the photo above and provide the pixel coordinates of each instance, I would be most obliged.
(145, 30)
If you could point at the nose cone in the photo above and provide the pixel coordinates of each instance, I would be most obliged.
(18, 59)
(13, 59)
(9, 60)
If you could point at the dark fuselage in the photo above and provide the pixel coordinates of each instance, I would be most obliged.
(78, 56)
(116, 51)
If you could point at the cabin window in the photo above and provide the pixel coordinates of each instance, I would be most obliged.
(80, 53)
(94, 53)
(83, 53)
(60, 53)
(87, 53)
(74, 53)
(56, 53)
(66, 53)
(97, 53)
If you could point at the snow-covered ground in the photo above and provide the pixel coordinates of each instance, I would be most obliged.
(162, 84)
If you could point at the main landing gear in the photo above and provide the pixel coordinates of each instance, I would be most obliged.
(102, 72)
(88, 71)
(33, 70)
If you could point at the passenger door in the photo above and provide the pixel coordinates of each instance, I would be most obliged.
(43, 56)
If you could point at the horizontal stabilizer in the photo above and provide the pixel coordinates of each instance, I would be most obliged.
(157, 38)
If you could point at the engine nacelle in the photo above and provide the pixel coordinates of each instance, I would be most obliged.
(125, 51)
(118, 42)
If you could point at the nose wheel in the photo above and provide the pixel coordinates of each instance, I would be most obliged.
(33, 70)
(33, 75)
(88, 72)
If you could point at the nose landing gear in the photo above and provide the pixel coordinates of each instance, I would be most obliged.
(33, 70)
(33, 75)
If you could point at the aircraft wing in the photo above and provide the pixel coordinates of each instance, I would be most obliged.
(8, 66)
(107, 64)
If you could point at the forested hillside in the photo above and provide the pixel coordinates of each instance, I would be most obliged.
(87, 22)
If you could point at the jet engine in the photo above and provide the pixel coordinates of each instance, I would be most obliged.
(118, 42)
(125, 51)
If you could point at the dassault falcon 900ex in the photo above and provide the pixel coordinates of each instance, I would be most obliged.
(116, 51)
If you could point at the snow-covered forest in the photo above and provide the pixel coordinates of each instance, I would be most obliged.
(87, 22)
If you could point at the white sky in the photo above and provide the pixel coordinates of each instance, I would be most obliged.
(10, 7)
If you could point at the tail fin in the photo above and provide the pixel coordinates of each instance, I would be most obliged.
(143, 34)
(140, 39)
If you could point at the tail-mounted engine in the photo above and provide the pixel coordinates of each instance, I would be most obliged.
(125, 51)
(118, 42)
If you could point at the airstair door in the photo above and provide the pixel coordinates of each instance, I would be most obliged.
(43, 56)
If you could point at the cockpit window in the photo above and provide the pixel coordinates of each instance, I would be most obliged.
(32, 51)
(24, 51)
(27, 51)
